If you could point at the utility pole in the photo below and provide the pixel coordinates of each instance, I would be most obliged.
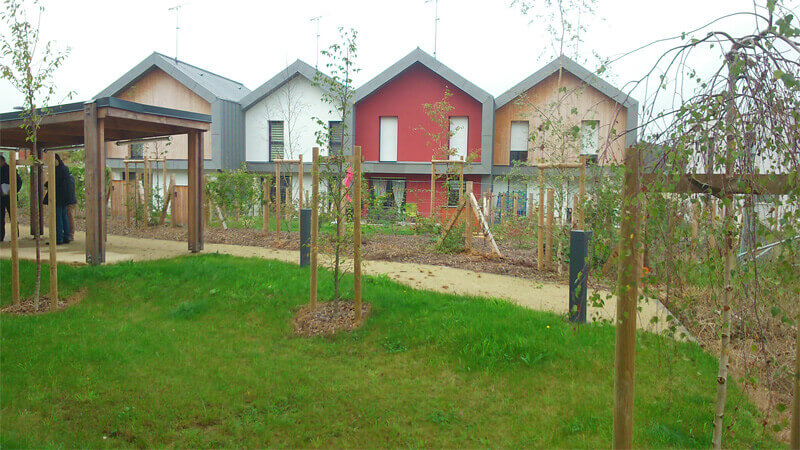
(177, 9)
(316, 63)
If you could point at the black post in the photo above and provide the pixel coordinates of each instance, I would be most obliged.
(578, 274)
(305, 237)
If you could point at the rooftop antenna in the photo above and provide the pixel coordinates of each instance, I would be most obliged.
(316, 63)
(177, 9)
(435, 24)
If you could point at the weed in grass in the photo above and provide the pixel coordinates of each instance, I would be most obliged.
(188, 310)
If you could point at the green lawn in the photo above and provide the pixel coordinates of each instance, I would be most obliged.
(198, 352)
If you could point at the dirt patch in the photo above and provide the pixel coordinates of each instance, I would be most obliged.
(27, 307)
(329, 317)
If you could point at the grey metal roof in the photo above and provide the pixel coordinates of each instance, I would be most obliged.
(419, 56)
(207, 85)
(587, 77)
(297, 68)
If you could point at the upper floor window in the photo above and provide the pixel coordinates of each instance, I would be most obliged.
(388, 139)
(336, 136)
(137, 150)
(276, 144)
(590, 137)
(519, 141)
(459, 130)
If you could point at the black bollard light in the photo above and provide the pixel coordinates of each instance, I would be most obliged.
(578, 274)
(305, 237)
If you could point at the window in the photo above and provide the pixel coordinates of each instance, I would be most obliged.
(388, 139)
(459, 130)
(336, 136)
(137, 151)
(590, 136)
(275, 139)
(453, 192)
(519, 141)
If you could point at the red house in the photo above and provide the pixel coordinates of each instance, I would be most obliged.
(394, 132)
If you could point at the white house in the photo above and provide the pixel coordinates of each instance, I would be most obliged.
(281, 123)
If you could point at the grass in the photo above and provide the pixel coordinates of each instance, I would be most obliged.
(198, 351)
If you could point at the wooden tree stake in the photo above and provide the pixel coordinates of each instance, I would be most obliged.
(51, 211)
(277, 200)
(627, 298)
(314, 225)
(548, 253)
(12, 193)
(357, 230)
(468, 220)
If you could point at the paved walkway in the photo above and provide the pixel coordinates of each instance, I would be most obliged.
(533, 294)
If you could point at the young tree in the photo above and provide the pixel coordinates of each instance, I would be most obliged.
(740, 117)
(29, 67)
(338, 93)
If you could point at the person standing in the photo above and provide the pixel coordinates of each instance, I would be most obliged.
(62, 199)
(5, 194)
(72, 202)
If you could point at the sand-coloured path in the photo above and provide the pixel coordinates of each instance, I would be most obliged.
(533, 294)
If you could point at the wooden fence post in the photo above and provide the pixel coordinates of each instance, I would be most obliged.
(576, 220)
(695, 224)
(582, 196)
(277, 200)
(314, 224)
(433, 188)
(174, 206)
(357, 231)
(300, 184)
(540, 231)
(265, 203)
(468, 214)
(516, 206)
(51, 212)
(127, 193)
(12, 171)
(503, 207)
(548, 256)
(627, 298)
(491, 206)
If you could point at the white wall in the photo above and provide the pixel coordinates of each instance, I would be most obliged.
(306, 100)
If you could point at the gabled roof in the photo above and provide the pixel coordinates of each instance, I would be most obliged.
(297, 68)
(207, 85)
(419, 56)
(630, 104)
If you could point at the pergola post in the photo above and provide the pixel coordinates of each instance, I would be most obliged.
(195, 168)
(95, 185)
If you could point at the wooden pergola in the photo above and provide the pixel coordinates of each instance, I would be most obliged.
(110, 119)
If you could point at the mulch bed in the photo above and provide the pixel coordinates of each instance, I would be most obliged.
(27, 307)
(328, 318)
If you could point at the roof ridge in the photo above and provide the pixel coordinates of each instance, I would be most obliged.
(176, 61)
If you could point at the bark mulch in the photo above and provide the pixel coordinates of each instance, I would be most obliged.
(327, 318)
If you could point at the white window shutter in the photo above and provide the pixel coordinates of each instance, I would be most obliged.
(388, 139)
(459, 130)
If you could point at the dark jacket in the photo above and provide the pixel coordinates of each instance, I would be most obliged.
(71, 198)
(5, 171)
(62, 185)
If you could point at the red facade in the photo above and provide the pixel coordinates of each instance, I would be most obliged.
(403, 98)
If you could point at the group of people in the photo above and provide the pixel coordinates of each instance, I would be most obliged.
(65, 199)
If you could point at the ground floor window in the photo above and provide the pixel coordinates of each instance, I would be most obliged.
(453, 192)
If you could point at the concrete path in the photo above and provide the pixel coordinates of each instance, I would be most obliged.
(532, 294)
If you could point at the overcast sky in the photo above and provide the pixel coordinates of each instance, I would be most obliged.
(489, 42)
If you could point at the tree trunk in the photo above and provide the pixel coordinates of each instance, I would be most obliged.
(728, 266)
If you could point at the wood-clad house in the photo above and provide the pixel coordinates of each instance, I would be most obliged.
(561, 99)
(169, 83)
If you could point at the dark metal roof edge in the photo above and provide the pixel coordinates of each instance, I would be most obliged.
(111, 102)
(299, 67)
